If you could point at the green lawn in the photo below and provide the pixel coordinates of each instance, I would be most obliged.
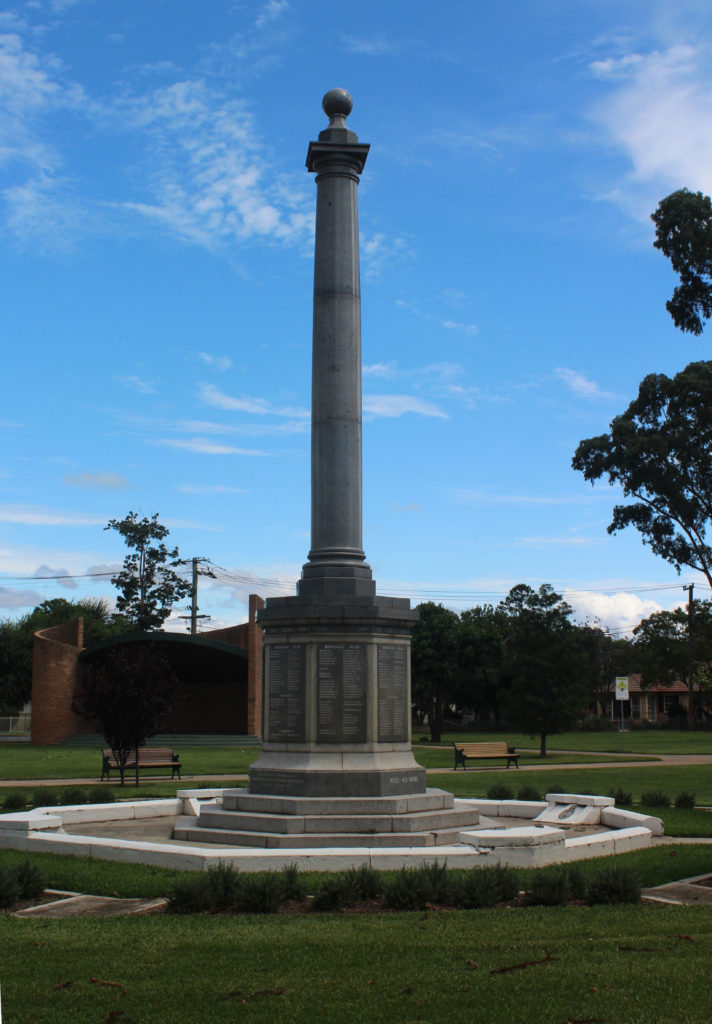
(444, 757)
(643, 741)
(631, 965)
(23, 761)
(671, 779)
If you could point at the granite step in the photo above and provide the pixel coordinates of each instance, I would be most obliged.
(243, 800)
(211, 817)
(267, 840)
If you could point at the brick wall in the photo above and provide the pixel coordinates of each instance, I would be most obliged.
(54, 679)
(249, 635)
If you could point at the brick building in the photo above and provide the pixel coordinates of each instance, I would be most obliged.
(220, 674)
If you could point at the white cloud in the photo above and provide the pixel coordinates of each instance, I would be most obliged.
(558, 542)
(271, 12)
(219, 363)
(476, 497)
(454, 325)
(370, 46)
(581, 386)
(658, 111)
(134, 383)
(211, 395)
(35, 515)
(210, 489)
(203, 446)
(614, 611)
(104, 481)
(398, 405)
(11, 598)
(379, 370)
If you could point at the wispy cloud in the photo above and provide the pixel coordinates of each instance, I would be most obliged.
(218, 363)
(581, 386)
(45, 571)
(35, 515)
(398, 405)
(11, 598)
(271, 11)
(379, 370)
(134, 383)
(476, 497)
(211, 395)
(204, 446)
(446, 322)
(559, 542)
(210, 489)
(104, 481)
(371, 46)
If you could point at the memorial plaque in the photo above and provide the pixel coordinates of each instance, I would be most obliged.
(287, 675)
(393, 709)
(341, 701)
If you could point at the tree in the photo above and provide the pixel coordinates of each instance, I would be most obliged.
(666, 650)
(683, 232)
(434, 663)
(481, 654)
(660, 452)
(546, 663)
(148, 584)
(16, 641)
(128, 692)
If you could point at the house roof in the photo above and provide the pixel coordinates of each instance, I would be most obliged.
(635, 685)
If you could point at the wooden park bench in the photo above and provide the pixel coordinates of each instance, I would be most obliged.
(148, 757)
(498, 749)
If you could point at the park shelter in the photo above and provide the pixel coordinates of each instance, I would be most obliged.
(220, 675)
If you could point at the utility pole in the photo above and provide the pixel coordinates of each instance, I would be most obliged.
(690, 688)
(197, 571)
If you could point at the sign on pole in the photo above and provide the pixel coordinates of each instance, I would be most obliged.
(621, 687)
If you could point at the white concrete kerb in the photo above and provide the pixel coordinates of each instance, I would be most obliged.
(531, 845)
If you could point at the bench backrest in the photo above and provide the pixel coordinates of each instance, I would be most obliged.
(146, 755)
(496, 747)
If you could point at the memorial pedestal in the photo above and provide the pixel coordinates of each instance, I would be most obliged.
(337, 698)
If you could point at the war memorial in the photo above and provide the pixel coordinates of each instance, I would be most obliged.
(336, 782)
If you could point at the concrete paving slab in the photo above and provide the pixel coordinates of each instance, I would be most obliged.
(92, 906)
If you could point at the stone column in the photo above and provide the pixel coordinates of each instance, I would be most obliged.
(336, 559)
(336, 655)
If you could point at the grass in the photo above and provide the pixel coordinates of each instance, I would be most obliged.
(672, 779)
(631, 965)
(443, 757)
(23, 761)
(640, 741)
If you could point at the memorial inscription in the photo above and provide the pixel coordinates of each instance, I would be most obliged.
(392, 693)
(341, 700)
(286, 672)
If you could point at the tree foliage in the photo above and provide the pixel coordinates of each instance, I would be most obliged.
(128, 692)
(16, 641)
(666, 650)
(660, 453)
(683, 232)
(148, 584)
(545, 661)
(434, 663)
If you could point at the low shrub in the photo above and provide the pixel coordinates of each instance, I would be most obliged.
(500, 791)
(260, 894)
(621, 797)
(45, 796)
(99, 795)
(685, 801)
(528, 793)
(335, 892)
(654, 798)
(485, 887)
(613, 884)
(550, 887)
(415, 888)
(30, 881)
(366, 881)
(223, 885)
(9, 887)
(189, 896)
(74, 795)
(14, 802)
(293, 885)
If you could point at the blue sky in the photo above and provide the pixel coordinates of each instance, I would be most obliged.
(156, 268)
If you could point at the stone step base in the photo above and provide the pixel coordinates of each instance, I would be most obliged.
(259, 803)
(213, 817)
(271, 841)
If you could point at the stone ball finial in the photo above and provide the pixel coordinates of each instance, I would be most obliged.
(337, 104)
